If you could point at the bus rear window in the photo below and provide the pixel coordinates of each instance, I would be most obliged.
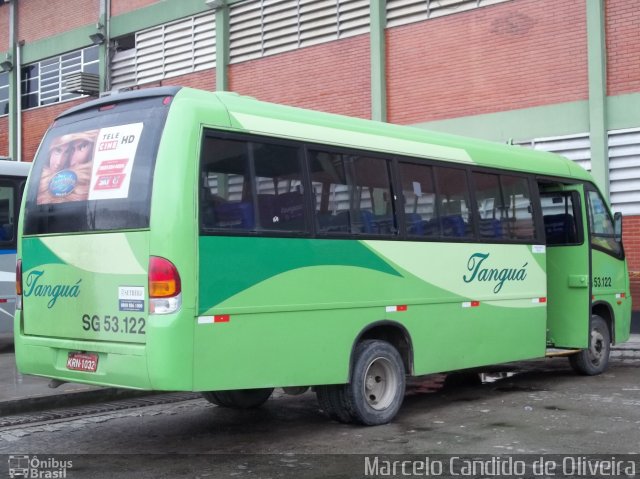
(94, 170)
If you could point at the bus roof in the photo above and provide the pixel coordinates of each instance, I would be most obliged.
(251, 115)
(272, 119)
(14, 168)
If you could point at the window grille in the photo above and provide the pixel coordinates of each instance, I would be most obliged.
(43, 81)
(624, 163)
(401, 12)
(165, 51)
(265, 27)
(4, 93)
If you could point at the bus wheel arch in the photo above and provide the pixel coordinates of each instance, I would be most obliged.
(604, 310)
(391, 332)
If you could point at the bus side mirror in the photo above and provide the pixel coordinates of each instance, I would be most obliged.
(617, 226)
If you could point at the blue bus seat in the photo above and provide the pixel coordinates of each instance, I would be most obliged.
(490, 228)
(234, 215)
(415, 225)
(454, 225)
(367, 222)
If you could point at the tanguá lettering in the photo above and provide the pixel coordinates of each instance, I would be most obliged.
(478, 272)
(35, 286)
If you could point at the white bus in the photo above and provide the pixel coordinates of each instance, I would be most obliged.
(13, 175)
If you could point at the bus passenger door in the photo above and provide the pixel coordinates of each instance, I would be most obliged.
(568, 265)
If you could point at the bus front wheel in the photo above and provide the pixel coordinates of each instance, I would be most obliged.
(595, 359)
(239, 398)
(376, 390)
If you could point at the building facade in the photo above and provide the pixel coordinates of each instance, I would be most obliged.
(558, 75)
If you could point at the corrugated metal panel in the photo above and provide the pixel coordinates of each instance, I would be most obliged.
(401, 12)
(123, 69)
(624, 163)
(169, 50)
(245, 31)
(265, 27)
(353, 17)
(318, 22)
(624, 170)
(574, 147)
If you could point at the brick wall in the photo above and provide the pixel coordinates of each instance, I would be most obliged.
(507, 56)
(332, 77)
(4, 27)
(623, 76)
(4, 136)
(39, 119)
(623, 46)
(119, 7)
(631, 238)
(204, 80)
(38, 19)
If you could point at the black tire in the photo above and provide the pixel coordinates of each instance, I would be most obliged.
(595, 359)
(331, 401)
(376, 390)
(239, 398)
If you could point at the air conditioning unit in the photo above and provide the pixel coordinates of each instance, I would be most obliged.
(82, 83)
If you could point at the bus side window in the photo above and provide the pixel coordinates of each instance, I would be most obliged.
(331, 192)
(352, 194)
(453, 203)
(419, 199)
(491, 208)
(226, 199)
(278, 184)
(559, 214)
(7, 212)
(504, 207)
(601, 224)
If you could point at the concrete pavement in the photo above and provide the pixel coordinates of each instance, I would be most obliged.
(22, 393)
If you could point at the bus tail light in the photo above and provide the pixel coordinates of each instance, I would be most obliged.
(165, 288)
(19, 284)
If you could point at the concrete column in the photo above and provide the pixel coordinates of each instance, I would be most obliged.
(222, 47)
(378, 21)
(597, 57)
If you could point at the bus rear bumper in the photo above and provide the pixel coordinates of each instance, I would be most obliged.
(119, 365)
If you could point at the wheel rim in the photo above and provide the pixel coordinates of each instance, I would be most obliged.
(380, 384)
(597, 347)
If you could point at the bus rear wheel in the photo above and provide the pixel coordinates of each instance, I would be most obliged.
(376, 390)
(239, 398)
(595, 359)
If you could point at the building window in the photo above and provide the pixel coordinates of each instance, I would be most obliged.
(4, 93)
(43, 81)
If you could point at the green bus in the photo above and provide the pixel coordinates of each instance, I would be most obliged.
(181, 240)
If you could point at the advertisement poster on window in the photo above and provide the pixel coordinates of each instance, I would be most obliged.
(90, 165)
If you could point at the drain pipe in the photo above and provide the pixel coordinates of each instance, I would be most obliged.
(14, 84)
(105, 48)
(18, 79)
